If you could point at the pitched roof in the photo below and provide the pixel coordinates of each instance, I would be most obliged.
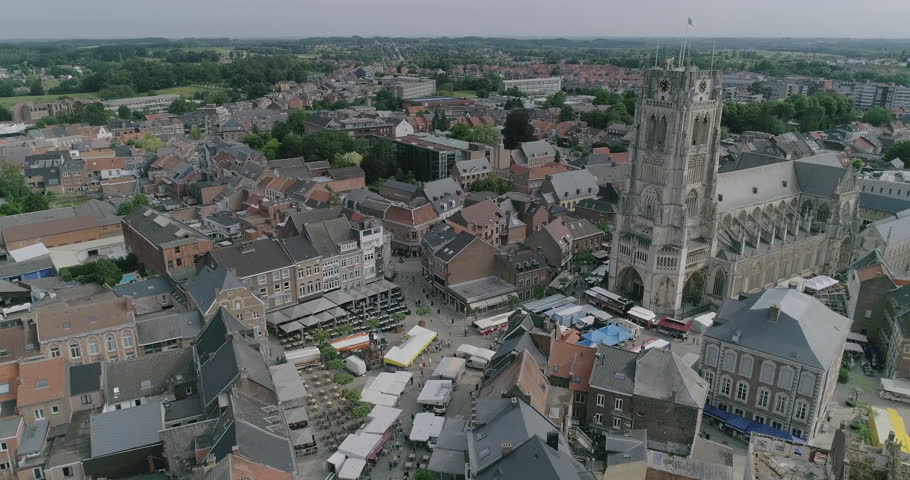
(260, 256)
(126, 429)
(883, 203)
(573, 362)
(83, 315)
(201, 288)
(149, 287)
(533, 458)
(662, 375)
(85, 378)
(525, 375)
(233, 358)
(614, 370)
(471, 167)
(573, 184)
(161, 230)
(327, 235)
(149, 375)
(42, 381)
(480, 213)
(300, 249)
(168, 325)
(804, 331)
(411, 216)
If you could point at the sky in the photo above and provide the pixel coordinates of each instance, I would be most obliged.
(37, 19)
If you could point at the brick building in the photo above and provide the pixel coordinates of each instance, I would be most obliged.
(483, 220)
(166, 246)
(408, 225)
(44, 391)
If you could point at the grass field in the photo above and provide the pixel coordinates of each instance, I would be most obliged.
(464, 94)
(187, 91)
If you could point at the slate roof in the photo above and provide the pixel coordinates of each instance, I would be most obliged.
(201, 288)
(882, 203)
(325, 236)
(346, 173)
(533, 458)
(573, 184)
(614, 370)
(805, 331)
(402, 186)
(538, 148)
(126, 429)
(470, 167)
(149, 287)
(442, 188)
(216, 333)
(454, 247)
(221, 370)
(168, 325)
(266, 255)
(300, 249)
(161, 230)
(149, 375)
(85, 378)
(662, 375)
(893, 230)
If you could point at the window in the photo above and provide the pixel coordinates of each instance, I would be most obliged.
(579, 397)
(601, 399)
(730, 361)
(4, 388)
(3, 446)
(127, 340)
(745, 366)
(261, 278)
(86, 399)
(785, 378)
(74, 351)
(617, 404)
(263, 291)
(780, 403)
(55, 352)
(38, 472)
(93, 346)
(709, 377)
(39, 414)
(711, 355)
(287, 298)
(742, 391)
(55, 410)
(767, 372)
(598, 418)
(759, 418)
(4, 466)
(801, 411)
(110, 343)
(617, 423)
(806, 383)
(761, 400)
(255, 314)
(67, 471)
(725, 386)
(238, 305)
(739, 412)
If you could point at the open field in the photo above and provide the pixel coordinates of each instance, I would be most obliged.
(188, 91)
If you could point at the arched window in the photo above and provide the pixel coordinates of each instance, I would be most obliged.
(767, 372)
(705, 130)
(692, 204)
(661, 132)
(649, 203)
(720, 280)
(763, 398)
(652, 132)
(696, 131)
(711, 352)
(745, 366)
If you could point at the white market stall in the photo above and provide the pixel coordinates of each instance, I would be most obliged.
(352, 468)
(449, 368)
(820, 282)
(703, 322)
(468, 351)
(303, 357)
(426, 427)
(436, 394)
(418, 339)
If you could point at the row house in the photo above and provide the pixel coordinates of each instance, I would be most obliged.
(483, 220)
(568, 188)
(44, 391)
(525, 268)
(468, 172)
(166, 246)
(264, 267)
(98, 326)
(528, 180)
(307, 266)
(408, 225)
(215, 287)
(342, 258)
(449, 257)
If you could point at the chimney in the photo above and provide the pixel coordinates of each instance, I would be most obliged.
(553, 440)
(246, 246)
(773, 312)
(736, 335)
(506, 448)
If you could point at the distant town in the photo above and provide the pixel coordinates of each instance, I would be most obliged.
(478, 259)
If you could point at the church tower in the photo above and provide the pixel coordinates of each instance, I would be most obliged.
(665, 224)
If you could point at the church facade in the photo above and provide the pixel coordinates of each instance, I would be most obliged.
(689, 234)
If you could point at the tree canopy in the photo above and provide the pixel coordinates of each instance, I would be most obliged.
(493, 183)
(128, 206)
(19, 197)
(878, 116)
(517, 129)
(899, 150)
(482, 133)
(818, 111)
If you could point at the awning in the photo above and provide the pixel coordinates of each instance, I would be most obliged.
(671, 324)
(290, 327)
(857, 337)
(853, 347)
(762, 429)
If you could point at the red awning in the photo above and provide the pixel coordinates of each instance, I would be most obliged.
(671, 324)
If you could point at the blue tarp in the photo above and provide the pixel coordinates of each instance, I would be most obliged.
(610, 335)
(762, 429)
(746, 426)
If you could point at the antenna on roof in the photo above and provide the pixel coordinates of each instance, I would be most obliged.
(713, 48)
(657, 54)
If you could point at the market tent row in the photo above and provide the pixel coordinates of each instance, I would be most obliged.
(579, 316)
(426, 426)
(385, 388)
(468, 351)
(610, 335)
(367, 442)
(882, 422)
(351, 343)
(489, 324)
(548, 303)
(418, 339)
(746, 426)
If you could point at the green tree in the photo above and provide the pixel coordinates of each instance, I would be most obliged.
(440, 121)
(539, 291)
(556, 100)
(352, 396)
(335, 364)
(128, 206)
(878, 116)
(398, 317)
(180, 106)
(513, 301)
(349, 159)
(373, 323)
(124, 112)
(5, 114)
(361, 410)
(19, 197)
(117, 91)
(149, 143)
(103, 271)
(423, 474)
(517, 129)
(514, 92)
(320, 336)
(513, 103)
(386, 100)
(195, 133)
(899, 150)
(321, 145)
(482, 133)
(378, 162)
(345, 329)
(566, 113)
(296, 121)
(271, 148)
(35, 87)
(857, 164)
(583, 257)
(342, 378)
(329, 352)
(493, 183)
(254, 140)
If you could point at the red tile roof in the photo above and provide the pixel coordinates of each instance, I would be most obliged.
(411, 216)
(571, 359)
(53, 370)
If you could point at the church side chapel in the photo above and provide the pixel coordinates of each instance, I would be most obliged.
(689, 236)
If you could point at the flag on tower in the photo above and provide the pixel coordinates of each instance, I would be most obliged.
(691, 22)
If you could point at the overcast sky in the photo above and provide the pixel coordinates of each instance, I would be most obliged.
(33, 19)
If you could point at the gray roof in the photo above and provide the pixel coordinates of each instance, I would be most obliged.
(623, 449)
(470, 167)
(439, 189)
(17, 269)
(459, 242)
(882, 203)
(805, 331)
(300, 249)
(326, 235)
(403, 186)
(148, 376)
(821, 174)
(573, 184)
(161, 230)
(535, 459)
(234, 357)
(537, 148)
(85, 378)
(223, 220)
(201, 288)
(893, 230)
(187, 407)
(149, 287)
(168, 325)
(126, 429)
(33, 437)
(266, 255)
(9, 426)
(614, 370)
(662, 375)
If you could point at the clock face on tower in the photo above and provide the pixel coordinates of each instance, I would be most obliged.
(703, 86)
(664, 85)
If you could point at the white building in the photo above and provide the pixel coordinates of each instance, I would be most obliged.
(535, 87)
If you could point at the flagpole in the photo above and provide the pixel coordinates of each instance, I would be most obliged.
(713, 48)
